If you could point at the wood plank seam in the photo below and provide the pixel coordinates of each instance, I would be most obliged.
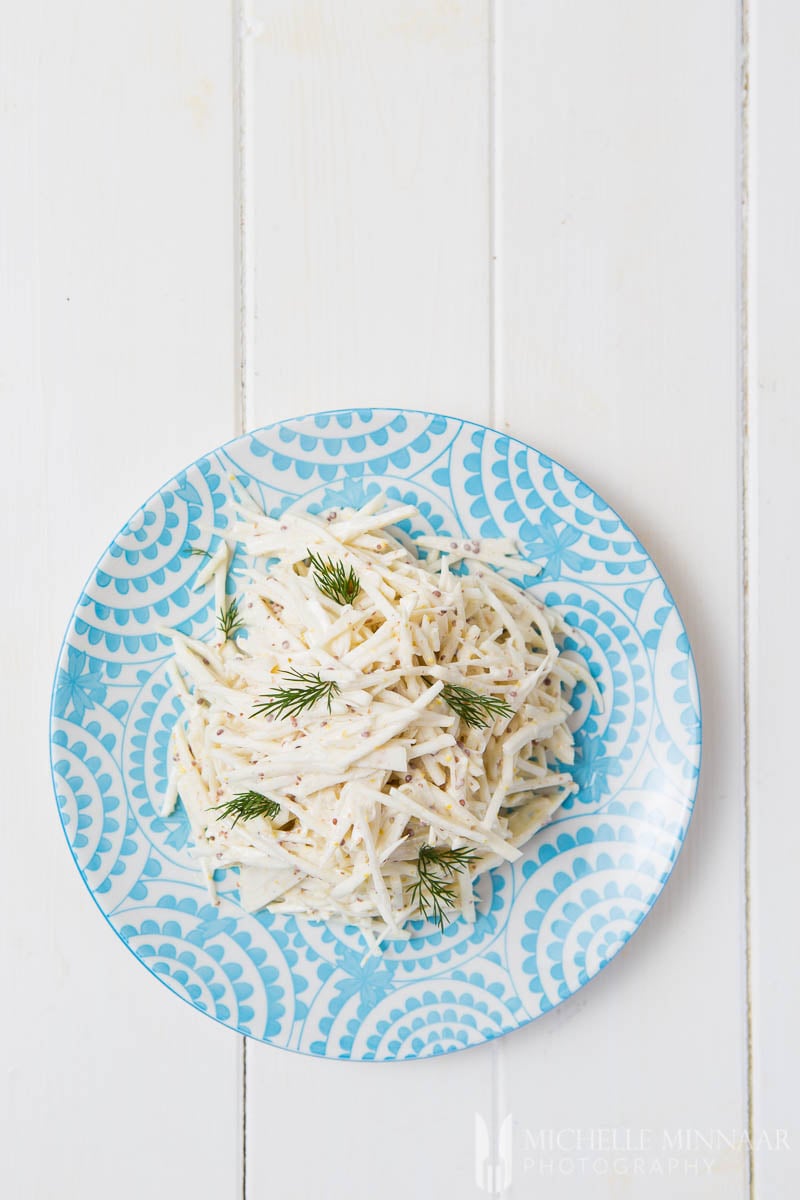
(494, 123)
(747, 398)
(243, 185)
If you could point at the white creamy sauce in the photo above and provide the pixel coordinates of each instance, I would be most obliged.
(384, 766)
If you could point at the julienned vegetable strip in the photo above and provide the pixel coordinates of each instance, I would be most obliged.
(387, 730)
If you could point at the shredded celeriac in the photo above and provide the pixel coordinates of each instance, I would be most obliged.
(386, 767)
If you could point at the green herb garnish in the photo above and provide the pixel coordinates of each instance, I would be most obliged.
(291, 701)
(197, 550)
(229, 621)
(246, 805)
(334, 581)
(437, 867)
(474, 709)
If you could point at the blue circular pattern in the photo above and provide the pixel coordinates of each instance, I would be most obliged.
(546, 925)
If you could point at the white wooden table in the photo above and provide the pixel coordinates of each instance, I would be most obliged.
(576, 221)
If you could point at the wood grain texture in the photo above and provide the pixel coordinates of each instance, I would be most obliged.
(773, 502)
(116, 295)
(617, 353)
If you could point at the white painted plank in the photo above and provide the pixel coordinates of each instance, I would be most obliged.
(369, 237)
(368, 178)
(617, 354)
(774, 500)
(116, 296)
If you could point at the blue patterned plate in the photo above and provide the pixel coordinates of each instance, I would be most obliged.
(547, 924)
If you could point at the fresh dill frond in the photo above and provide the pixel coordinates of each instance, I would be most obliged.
(246, 805)
(229, 621)
(291, 701)
(474, 709)
(333, 580)
(434, 891)
(198, 550)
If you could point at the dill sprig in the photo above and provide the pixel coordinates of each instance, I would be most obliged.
(474, 709)
(229, 621)
(246, 805)
(291, 701)
(333, 580)
(198, 550)
(433, 891)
